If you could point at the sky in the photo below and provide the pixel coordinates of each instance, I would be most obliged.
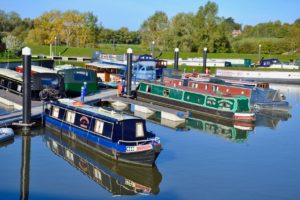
(115, 14)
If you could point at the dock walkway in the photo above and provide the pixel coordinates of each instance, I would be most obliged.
(148, 105)
(11, 99)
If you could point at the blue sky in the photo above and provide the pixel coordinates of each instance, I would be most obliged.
(131, 13)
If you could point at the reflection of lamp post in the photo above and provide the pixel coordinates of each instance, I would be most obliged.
(55, 44)
(152, 48)
(259, 47)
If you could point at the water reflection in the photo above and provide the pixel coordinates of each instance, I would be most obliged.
(117, 178)
(271, 119)
(225, 129)
(25, 167)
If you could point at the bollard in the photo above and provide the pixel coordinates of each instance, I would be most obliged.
(204, 59)
(82, 95)
(129, 71)
(85, 88)
(26, 56)
(176, 58)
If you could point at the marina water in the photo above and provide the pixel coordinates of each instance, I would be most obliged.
(196, 163)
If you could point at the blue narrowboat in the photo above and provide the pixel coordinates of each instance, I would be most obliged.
(116, 135)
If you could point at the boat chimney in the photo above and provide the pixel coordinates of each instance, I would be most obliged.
(129, 71)
(26, 56)
(204, 59)
(176, 58)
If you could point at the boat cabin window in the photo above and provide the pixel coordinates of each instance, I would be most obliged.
(53, 82)
(148, 88)
(149, 68)
(70, 117)
(139, 130)
(19, 88)
(81, 76)
(55, 112)
(99, 127)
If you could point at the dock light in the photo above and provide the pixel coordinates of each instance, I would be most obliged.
(152, 48)
(204, 59)
(259, 48)
(176, 58)
(129, 71)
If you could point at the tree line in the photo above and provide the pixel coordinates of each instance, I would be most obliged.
(188, 31)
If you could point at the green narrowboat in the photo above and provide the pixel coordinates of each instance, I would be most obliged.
(75, 77)
(235, 108)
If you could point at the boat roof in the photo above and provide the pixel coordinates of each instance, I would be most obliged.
(11, 74)
(97, 110)
(106, 65)
(40, 69)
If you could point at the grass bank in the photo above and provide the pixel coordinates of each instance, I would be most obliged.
(139, 49)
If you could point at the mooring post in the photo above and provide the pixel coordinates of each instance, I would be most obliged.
(26, 56)
(176, 58)
(204, 59)
(129, 71)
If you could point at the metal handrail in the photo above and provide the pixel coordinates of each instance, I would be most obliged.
(156, 139)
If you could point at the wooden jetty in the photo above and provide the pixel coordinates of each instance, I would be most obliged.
(166, 112)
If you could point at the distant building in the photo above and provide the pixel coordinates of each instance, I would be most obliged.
(236, 33)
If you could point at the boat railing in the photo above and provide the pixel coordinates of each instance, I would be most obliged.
(139, 142)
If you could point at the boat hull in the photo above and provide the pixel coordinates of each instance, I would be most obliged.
(189, 107)
(145, 158)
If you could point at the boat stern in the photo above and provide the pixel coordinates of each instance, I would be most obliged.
(244, 116)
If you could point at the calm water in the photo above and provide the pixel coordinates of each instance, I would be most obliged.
(218, 163)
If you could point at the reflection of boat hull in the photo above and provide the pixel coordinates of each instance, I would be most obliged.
(117, 178)
(224, 129)
(271, 119)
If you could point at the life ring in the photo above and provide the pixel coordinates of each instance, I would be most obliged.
(78, 103)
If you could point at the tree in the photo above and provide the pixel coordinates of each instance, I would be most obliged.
(155, 29)
(205, 24)
(182, 32)
(13, 44)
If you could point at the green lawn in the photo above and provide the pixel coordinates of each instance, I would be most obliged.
(138, 49)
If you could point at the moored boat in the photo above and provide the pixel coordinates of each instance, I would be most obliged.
(119, 136)
(228, 107)
(286, 77)
(261, 96)
(13, 81)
